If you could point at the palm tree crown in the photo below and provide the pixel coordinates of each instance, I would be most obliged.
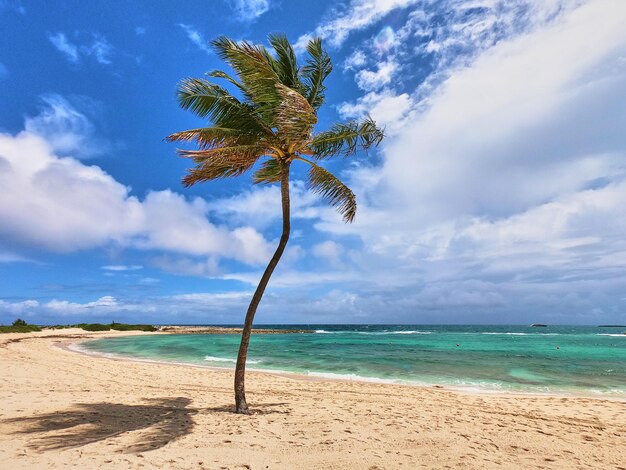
(274, 118)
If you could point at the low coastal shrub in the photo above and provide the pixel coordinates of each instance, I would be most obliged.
(125, 327)
(19, 329)
(114, 326)
(19, 326)
(93, 326)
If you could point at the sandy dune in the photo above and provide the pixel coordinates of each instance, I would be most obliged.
(61, 409)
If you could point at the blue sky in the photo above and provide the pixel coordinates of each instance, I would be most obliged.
(498, 196)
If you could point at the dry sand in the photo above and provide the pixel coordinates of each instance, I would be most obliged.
(61, 409)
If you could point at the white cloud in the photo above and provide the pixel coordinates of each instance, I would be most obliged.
(510, 169)
(67, 129)
(7, 257)
(122, 267)
(196, 37)
(386, 108)
(369, 80)
(287, 278)
(58, 203)
(355, 61)
(250, 10)
(65, 46)
(260, 207)
(185, 266)
(439, 36)
(99, 48)
(526, 110)
(172, 223)
(96, 46)
(578, 231)
(15, 5)
(61, 205)
(224, 307)
(220, 307)
(64, 310)
(18, 308)
(329, 251)
(64, 307)
(212, 297)
(358, 14)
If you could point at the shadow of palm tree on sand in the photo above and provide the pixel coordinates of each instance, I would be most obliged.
(257, 409)
(161, 421)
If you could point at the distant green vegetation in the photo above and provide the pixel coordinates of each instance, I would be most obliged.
(19, 329)
(123, 327)
(114, 326)
(20, 326)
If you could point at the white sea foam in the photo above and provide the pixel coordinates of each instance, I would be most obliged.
(219, 359)
(512, 334)
(518, 334)
(227, 359)
(617, 393)
(355, 377)
(616, 335)
(326, 332)
(374, 333)
(379, 333)
(410, 332)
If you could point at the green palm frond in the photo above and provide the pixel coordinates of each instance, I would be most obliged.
(255, 67)
(269, 172)
(331, 189)
(228, 78)
(211, 101)
(286, 63)
(317, 68)
(346, 139)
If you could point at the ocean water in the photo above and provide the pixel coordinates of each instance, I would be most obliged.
(555, 359)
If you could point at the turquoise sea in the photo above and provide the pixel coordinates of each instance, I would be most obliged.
(555, 359)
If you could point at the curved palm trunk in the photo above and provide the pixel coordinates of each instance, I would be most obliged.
(240, 393)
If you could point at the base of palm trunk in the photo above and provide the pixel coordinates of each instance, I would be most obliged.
(241, 406)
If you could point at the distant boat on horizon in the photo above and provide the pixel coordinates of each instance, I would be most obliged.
(538, 325)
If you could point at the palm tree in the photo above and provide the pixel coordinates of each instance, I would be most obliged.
(270, 124)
